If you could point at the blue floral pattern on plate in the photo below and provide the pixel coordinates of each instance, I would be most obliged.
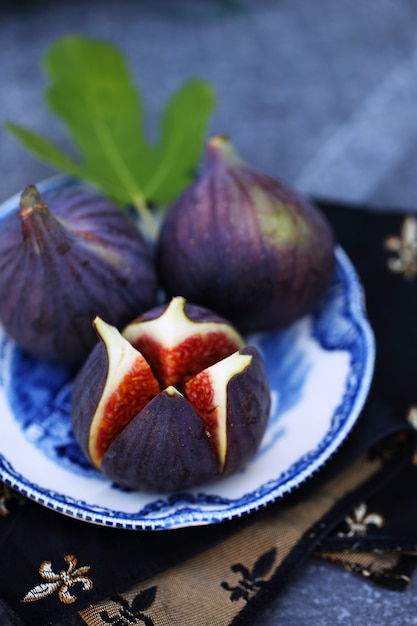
(319, 370)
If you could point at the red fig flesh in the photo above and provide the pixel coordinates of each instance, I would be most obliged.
(188, 346)
(130, 385)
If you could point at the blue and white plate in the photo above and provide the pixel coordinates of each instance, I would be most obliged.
(319, 370)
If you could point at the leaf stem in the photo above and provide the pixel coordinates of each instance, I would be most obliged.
(145, 214)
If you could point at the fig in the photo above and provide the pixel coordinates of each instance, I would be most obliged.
(65, 258)
(242, 243)
(174, 400)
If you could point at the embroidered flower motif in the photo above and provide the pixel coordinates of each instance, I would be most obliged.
(359, 521)
(251, 580)
(131, 613)
(61, 582)
(6, 496)
(412, 418)
(405, 247)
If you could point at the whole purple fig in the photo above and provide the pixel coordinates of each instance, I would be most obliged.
(245, 245)
(64, 259)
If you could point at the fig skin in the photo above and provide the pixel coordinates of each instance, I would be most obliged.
(248, 413)
(64, 259)
(206, 427)
(87, 390)
(164, 448)
(242, 243)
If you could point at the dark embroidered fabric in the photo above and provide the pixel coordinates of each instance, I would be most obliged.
(391, 301)
(117, 558)
(389, 516)
(62, 571)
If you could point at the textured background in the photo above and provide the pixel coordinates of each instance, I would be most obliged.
(321, 94)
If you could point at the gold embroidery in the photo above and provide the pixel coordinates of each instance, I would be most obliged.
(405, 246)
(6, 495)
(61, 582)
(412, 418)
(359, 521)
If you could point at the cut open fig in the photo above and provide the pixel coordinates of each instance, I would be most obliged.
(174, 401)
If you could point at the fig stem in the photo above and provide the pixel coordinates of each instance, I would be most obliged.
(29, 198)
(142, 208)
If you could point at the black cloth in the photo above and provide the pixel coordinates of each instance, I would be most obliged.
(119, 559)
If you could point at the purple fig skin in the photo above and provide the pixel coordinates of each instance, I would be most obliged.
(163, 449)
(166, 448)
(248, 409)
(87, 389)
(244, 244)
(70, 257)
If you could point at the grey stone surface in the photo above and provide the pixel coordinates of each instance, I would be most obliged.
(318, 93)
(322, 94)
(321, 595)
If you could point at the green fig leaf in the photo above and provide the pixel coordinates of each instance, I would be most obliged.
(46, 150)
(174, 159)
(93, 94)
